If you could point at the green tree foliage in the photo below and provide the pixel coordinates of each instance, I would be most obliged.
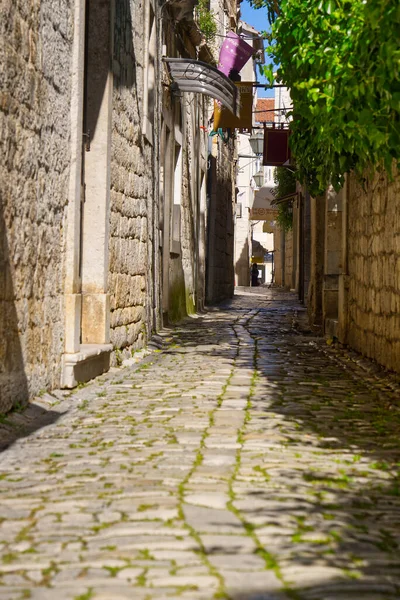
(206, 18)
(285, 183)
(341, 61)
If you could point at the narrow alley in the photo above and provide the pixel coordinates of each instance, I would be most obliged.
(242, 458)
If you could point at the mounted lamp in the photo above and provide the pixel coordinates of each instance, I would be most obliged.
(259, 178)
(257, 143)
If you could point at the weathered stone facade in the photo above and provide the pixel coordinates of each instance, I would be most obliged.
(183, 168)
(220, 264)
(133, 191)
(35, 54)
(103, 188)
(354, 255)
(45, 78)
(283, 257)
(317, 256)
(242, 246)
(373, 276)
(193, 213)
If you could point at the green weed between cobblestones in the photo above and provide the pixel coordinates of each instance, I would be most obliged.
(174, 567)
(30, 550)
(101, 526)
(263, 472)
(201, 552)
(113, 570)
(142, 578)
(144, 554)
(88, 596)
(81, 385)
(9, 557)
(352, 573)
(338, 482)
(24, 534)
(144, 507)
(49, 572)
(269, 559)
(181, 589)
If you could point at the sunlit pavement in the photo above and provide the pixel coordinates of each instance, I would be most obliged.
(241, 459)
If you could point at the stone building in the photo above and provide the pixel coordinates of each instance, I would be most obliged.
(103, 170)
(342, 256)
(344, 262)
(248, 163)
(285, 241)
(369, 278)
(355, 258)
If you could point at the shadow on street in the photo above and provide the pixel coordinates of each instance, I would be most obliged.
(19, 425)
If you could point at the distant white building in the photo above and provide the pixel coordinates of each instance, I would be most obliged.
(248, 164)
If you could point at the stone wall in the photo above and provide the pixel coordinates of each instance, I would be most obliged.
(289, 259)
(373, 245)
(242, 243)
(35, 54)
(220, 261)
(189, 199)
(283, 257)
(278, 256)
(132, 191)
(193, 200)
(317, 255)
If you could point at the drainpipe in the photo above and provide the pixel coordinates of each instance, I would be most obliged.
(283, 258)
(344, 277)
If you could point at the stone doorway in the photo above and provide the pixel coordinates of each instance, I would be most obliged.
(87, 347)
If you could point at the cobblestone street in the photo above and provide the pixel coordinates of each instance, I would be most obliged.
(241, 459)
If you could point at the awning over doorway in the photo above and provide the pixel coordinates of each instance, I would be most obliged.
(191, 75)
(282, 199)
(262, 208)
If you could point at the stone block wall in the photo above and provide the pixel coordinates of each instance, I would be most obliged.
(283, 265)
(192, 204)
(243, 243)
(278, 256)
(189, 206)
(316, 261)
(332, 259)
(132, 191)
(220, 279)
(374, 269)
(35, 54)
(289, 259)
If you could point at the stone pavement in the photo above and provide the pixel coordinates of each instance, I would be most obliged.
(243, 459)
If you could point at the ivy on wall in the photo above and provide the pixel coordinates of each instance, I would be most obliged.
(285, 183)
(341, 61)
(206, 20)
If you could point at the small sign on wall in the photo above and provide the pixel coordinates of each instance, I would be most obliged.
(263, 214)
(276, 147)
(224, 119)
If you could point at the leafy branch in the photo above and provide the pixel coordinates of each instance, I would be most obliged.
(206, 20)
(285, 183)
(341, 61)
